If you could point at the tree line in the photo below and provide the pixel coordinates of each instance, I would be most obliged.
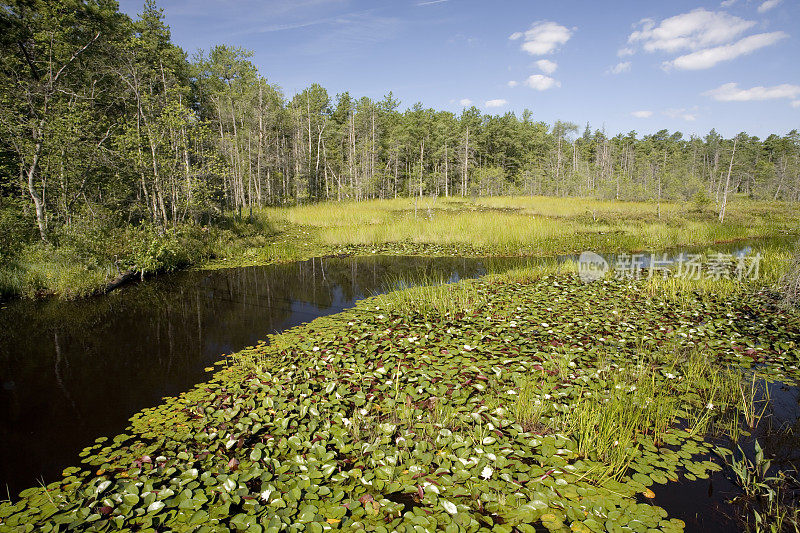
(99, 111)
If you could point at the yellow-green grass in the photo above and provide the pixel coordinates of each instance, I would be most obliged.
(529, 225)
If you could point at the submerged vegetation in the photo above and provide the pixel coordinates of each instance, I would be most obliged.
(518, 402)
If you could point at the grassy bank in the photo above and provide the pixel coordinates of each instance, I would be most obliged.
(518, 402)
(85, 258)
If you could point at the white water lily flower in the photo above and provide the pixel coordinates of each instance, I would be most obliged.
(670, 375)
(545, 325)
(710, 405)
(380, 317)
(316, 348)
(546, 396)
(511, 391)
(487, 472)
(468, 347)
(450, 507)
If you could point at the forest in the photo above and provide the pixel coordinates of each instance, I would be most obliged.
(108, 128)
(392, 318)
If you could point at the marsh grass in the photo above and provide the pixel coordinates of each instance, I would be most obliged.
(529, 408)
(773, 265)
(454, 226)
(790, 280)
(442, 296)
(532, 225)
(11, 281)
(607, 424)
(754, 400)
(432, 296)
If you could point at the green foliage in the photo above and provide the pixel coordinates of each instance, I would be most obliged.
(107, 111)
(701, 201)
(767, 498)
(348, 421)
(153, 249)
(790, 281)
(16, 230)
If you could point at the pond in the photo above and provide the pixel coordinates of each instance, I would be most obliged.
(74, 371)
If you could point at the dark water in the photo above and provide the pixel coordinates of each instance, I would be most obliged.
(707, 505)
(74, 371)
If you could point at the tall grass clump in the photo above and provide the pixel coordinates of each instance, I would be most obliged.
(529, 408)
(11, 280)
(432, 296)
(774, 268)
(790, 281)
(607, 424)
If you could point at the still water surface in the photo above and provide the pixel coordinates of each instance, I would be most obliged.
(74, 371)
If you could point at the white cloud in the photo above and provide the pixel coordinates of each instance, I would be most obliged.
(466, 102)
(689, 31)
(619, 68)
(711, 56)
(547, 66)
(769, 4)
(727, 3)
(796, 104)
(541, 83)
(642, 114)
(499, 102)
(543, 37)
(513, 83)
(730, 92)
(680, 113)
(625, 52)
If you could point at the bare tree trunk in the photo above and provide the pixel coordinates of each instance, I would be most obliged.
(466, 163)
(446, 180)
(37, 200)
(421, 154)
(659, 184)
(727, 184)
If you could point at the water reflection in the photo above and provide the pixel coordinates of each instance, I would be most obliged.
(74, 371)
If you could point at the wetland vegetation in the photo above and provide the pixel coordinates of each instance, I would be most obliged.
(518, 401)
(524, 400)
(120, 156)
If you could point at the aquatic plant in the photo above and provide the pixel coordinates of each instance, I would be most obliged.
(769, 499)
(500, 416)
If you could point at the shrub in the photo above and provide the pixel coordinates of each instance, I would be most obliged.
(15, 231)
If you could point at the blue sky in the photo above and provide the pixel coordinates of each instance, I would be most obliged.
(625, 65)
